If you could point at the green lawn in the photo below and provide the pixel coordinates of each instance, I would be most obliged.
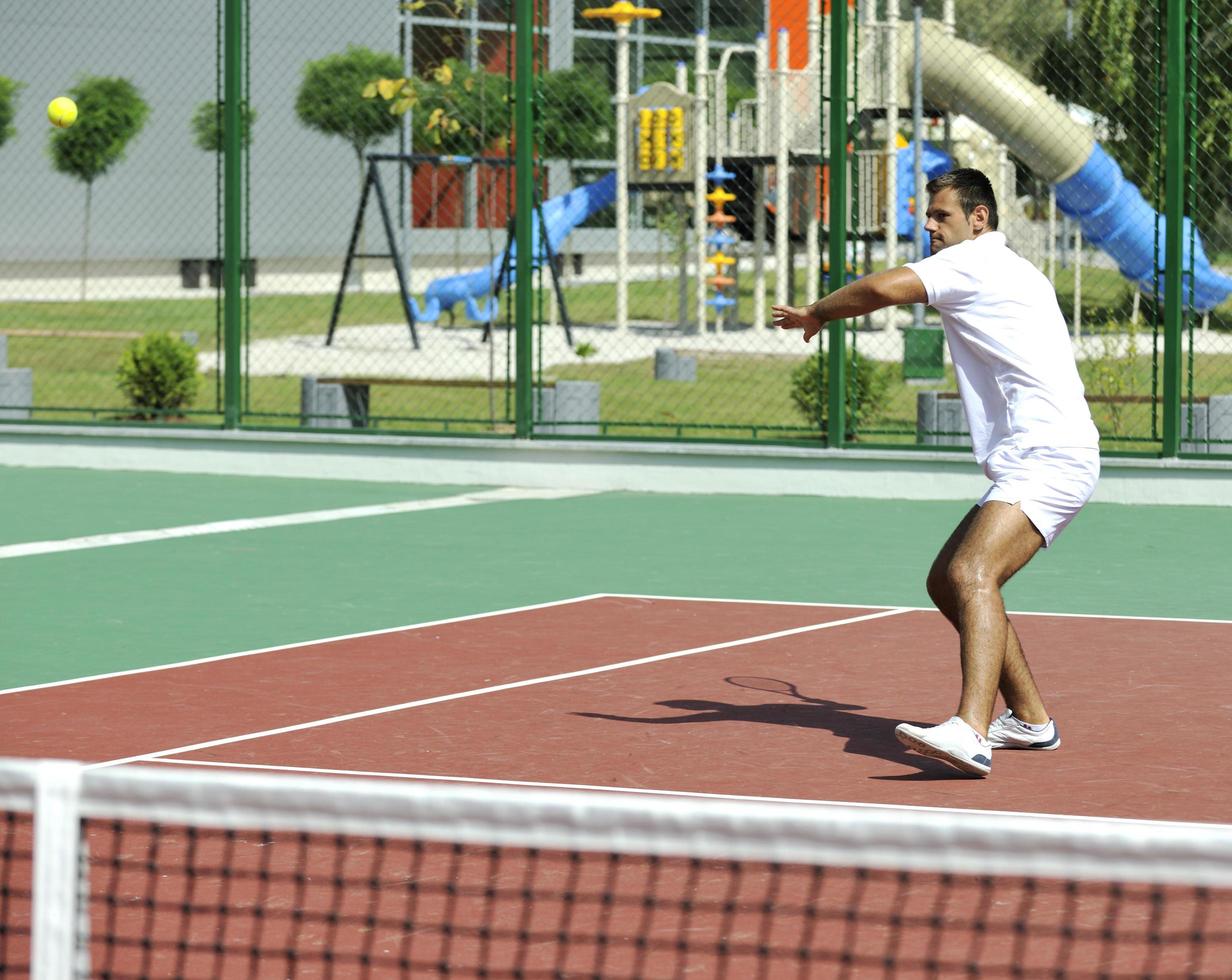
(735, 396)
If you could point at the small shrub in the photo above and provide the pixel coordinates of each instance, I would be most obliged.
(1112, 369)
(207, 123)
(158, 375)
(868, 387)
(8, 107)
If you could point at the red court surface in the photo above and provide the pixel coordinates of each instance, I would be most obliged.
(726, 709)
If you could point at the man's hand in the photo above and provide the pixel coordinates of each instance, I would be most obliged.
(798, 318)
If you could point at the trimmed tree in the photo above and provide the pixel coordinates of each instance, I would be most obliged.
(8, 107)
(575, 115)
(207, 125)
(331, 101)
(111, 112)
(158, 374)
(463, 110)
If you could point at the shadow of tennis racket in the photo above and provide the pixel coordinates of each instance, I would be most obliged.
(771, 685)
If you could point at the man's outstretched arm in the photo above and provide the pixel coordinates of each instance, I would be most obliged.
(894, 287)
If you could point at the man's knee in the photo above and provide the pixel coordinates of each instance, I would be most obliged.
(967, 576)
(938, 587)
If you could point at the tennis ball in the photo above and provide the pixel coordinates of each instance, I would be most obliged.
(62, 112)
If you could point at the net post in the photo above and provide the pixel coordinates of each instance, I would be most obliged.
(233, 207)
(57, 843)
(524, 214)
(1174, 196)
(836, 411)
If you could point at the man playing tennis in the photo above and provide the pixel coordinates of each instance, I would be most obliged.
(1031, 431)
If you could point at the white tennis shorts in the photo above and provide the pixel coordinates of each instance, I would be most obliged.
(1051, 485)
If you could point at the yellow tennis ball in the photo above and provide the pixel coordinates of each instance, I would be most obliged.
(62, 112)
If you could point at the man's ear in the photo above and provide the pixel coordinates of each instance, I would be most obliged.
(979, 217)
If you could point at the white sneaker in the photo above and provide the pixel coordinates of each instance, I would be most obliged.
(1008, 732)
(952, 741)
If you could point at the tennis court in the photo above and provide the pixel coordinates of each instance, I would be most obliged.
(647, 651)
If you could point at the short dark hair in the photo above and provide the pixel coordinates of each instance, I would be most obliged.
(973, 189)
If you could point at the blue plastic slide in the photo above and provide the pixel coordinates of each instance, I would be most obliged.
(936, 162)
(560, 215)
(1041, 132)
(1115, 217)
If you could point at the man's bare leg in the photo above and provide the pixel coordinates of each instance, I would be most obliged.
(989, 545)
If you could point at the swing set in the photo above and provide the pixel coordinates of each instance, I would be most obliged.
(500, 274)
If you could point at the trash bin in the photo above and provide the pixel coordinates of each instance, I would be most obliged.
(190, 273)
(248, 268)
(923, 354)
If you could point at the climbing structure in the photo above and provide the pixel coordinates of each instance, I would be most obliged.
(719, 239)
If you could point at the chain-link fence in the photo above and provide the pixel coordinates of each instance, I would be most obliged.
(379, 207)
(670, 266)
(1063, 105)
(109, 226)
(685, 181)
(1207, 371)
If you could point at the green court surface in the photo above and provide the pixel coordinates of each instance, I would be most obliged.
(42, 504)
(121, 606)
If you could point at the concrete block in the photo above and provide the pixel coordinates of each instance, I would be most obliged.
(16, 392)
(936, 414)
(1195, 438)
(569, 408)
(670, 366)
(1219, 423)
(318, 399)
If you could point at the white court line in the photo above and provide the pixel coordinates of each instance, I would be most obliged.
(562, 602)
(512, 685)
(929, 609)
(303, 643)
(494, 496)
(640, 791)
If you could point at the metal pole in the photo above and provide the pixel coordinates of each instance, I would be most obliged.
(1174, 228)
(524, 213)
(782, 176)
(405, 176)
(1052, 236)
(232, 208)
(622, 177)
(917, 136)
(682, 237)
(836, 413)
(812, 172)
(1076, 328)
(1065, 221)
(891, 142)
(701, 54)
(759, 182)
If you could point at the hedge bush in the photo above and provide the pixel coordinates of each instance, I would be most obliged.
(158, 375)
(868, 384)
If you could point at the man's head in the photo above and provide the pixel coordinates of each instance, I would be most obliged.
(961, 206)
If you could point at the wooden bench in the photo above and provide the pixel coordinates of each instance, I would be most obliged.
(1103, 399)
(357, 391)
(73, 334)
(940, 420)
(577, 402)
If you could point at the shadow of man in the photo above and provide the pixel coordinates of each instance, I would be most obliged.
(869, 735)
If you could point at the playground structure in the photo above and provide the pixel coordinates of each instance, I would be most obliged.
(670, 138)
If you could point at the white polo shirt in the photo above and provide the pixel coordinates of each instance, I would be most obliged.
(1010, 347)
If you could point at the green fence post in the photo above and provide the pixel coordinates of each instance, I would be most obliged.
(1174, 210)
(524, 213)
(836, 412)
(232, 208)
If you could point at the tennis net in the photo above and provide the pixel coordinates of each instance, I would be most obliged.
(176, 871)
